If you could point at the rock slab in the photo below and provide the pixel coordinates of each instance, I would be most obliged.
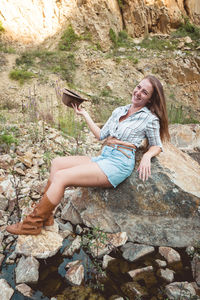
(163, 211)
(43, 245)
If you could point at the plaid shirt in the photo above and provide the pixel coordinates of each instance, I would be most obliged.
(135, 128)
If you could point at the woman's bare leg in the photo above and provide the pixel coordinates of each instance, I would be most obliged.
(60, 163)
(82, 175)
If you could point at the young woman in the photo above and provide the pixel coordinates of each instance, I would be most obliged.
(128, 125)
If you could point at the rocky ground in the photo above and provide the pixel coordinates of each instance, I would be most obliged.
(130, 271)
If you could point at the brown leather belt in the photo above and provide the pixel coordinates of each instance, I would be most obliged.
(120, 147)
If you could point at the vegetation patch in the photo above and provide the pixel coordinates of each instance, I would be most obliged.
(157, 43)
(181, 115)
(186, 28)
(2, 29)
(21, 75)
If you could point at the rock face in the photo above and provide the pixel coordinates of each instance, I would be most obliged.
(23, 20)
(162, 211)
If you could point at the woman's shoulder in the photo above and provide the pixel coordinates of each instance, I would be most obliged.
(122, 108)
(152, 115)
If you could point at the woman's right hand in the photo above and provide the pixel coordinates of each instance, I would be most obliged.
(79, 110)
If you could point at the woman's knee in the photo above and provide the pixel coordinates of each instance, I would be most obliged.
(56, 163)
(59, 179)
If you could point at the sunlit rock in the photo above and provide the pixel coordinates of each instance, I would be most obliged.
(27, 270)
(75, 273)
(43, 245)
(6, 290)
(24, 289)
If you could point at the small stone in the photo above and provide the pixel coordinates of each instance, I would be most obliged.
(3, 203)
(196, 268)
(133, 290)
(20, 171)
(6, 290)
(1, 259)
(24, 289)
(160, 263)
(172, 257)
(182, 290)
(146, 274)
(27, 270)
(167, 275)
(79, 229)
(106, 260)
(66, 226)
(74, 246)
(116, 297)
(75, 274)
(11, 258)
(133, 252)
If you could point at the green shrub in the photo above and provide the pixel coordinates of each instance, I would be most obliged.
(2, 29)
(178, 115)
(6, 140)
(68, 39)
(113, 36)
(27, 58)
(21, 75)
(187, 29)
(156, 43)
(119, 40)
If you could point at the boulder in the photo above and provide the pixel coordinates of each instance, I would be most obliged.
(43, 245)
(162, 211)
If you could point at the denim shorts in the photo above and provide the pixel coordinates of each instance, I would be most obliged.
(116, 165)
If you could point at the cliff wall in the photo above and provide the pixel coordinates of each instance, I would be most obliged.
(33, 21)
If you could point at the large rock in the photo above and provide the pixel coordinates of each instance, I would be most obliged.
(43, 245)
(163, 211)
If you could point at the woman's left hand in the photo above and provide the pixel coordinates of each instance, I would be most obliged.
(144, 168)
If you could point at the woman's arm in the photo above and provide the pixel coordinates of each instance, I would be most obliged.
(93, 127)
(144, 168)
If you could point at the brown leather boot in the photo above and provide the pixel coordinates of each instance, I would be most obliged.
(50, 220)
(34, 222)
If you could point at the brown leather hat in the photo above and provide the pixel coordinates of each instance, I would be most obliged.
(69, 98)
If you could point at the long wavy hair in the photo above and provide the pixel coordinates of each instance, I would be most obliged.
(157, 105)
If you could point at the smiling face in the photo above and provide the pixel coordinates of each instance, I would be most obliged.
(142, 93)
